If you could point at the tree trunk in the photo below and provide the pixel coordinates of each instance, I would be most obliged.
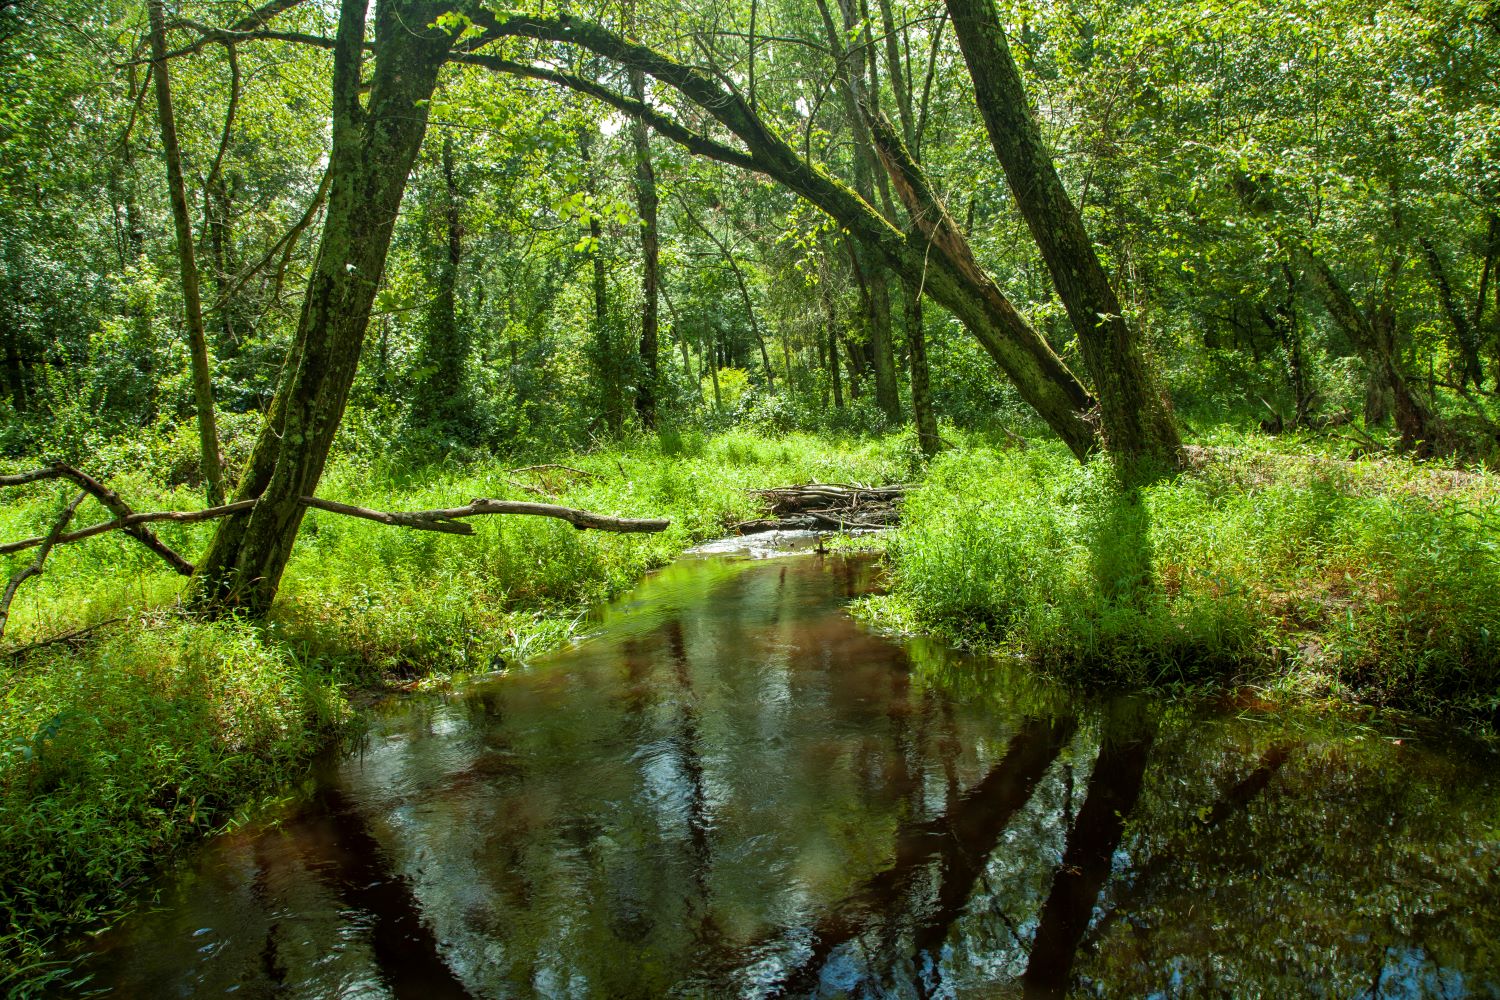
(646, 201)
(868, 268)
(1465, 336)
(1420, 429)
(1136, 419)
(203, 392)
(15, 367)
(443, 398)
(374, 147)
(830, 315)
(605, 361)
(921, 379)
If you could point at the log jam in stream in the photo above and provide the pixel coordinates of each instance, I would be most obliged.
(730, 788)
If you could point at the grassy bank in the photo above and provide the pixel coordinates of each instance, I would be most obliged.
(1370, 582)
(155, 730)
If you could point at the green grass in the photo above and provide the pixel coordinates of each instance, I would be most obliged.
(158, 729)
(1367, 581)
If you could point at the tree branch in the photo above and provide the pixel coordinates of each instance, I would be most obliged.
(110, 501)
(677, 132)
(35, 569)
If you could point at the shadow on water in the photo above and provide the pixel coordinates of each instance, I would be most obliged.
(731, 789)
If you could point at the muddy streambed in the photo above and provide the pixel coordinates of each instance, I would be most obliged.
(731, 789)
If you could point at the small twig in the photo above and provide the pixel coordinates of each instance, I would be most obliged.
(35, 569)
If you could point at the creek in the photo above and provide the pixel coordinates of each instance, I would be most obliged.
(730, 788)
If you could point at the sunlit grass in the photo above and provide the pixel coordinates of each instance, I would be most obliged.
(1370, 581)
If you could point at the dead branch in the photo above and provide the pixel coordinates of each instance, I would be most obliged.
(447, 520)
(70, 638)
(110, 501)
(126, 523)
(422, 520)
(35, 569)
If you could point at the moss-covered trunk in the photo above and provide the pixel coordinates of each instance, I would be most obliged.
(1136, 419)
(374, 147)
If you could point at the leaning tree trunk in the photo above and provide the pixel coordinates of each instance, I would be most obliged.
(954, 280)
(1465, 336)
(1136, 419)
(203, 391)
(374, 147)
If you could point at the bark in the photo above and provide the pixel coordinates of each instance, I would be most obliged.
(374, 147)
(1420, 429)
(921, 380)
(646, 203)
(203, 393)
(1466, 340)
(1040, 377)
(1136, 418)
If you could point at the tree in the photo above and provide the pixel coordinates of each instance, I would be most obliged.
(1135, 416)
(375, 144)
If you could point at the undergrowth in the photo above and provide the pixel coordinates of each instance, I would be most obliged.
(1365, 581)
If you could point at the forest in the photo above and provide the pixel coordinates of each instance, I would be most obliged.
(1119, 353)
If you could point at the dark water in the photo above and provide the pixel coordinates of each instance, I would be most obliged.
(733, 790)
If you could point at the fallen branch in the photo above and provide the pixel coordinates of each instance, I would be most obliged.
(126, 523)
(66, 637)
(447, 521)
(110, 501)
(35, 569)
(422, 520)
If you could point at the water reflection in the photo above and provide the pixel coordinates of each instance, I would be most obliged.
(731, 790)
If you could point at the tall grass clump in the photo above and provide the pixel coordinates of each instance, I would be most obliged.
(1372, 581)
(112, 757)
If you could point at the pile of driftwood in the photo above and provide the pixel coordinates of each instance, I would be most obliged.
(826, 507)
